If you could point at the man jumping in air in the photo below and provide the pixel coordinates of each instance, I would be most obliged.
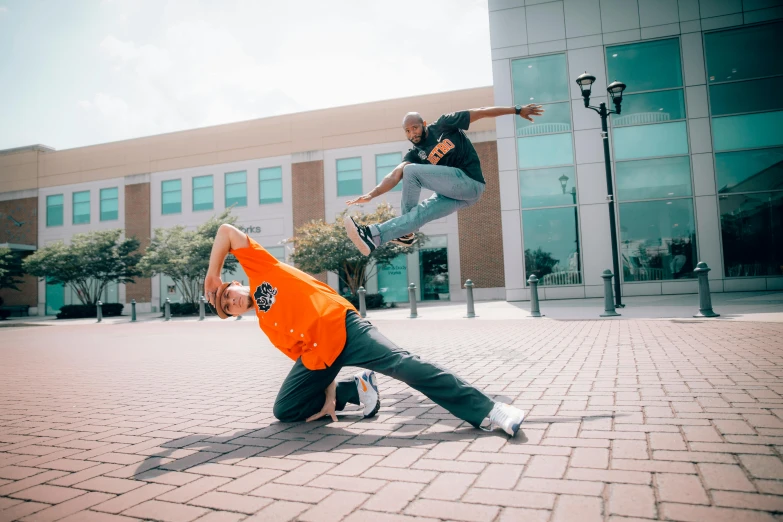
(322, 332)
(442, 160)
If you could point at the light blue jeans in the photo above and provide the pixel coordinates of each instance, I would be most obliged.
(453, 190)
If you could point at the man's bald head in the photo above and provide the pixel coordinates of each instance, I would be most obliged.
(412, 117)
(415, 127)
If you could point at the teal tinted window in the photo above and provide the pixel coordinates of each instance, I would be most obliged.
(547, 187)
(651, 107)
(171, 196)
(434, 272)
(81, 207)
(545, 151)
(54, 210)
(556, 118)
(752, 231)
(109, 204)
(655, 178)
(384, 164)
(349, 177)
(55, 297)
(646, 66)
(749, 96)
(749, 170)
(236, 189)
(393, 280)
(645, 141)
(270, 185)
(748, 131)
(748, 52)
(551, 242)
(278, 252)
(541, 79)
(203, 194)
(658, 240)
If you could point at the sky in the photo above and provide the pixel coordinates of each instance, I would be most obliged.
(80, 72)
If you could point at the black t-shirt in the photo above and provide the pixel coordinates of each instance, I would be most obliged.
(447, 144)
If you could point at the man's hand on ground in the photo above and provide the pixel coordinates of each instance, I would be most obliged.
(358, 201)
(329, 404)
(531, 110)
(211, 285)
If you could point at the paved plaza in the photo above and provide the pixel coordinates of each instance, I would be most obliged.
(629, 420)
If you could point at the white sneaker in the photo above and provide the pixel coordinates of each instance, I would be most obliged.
(505, 417)
(368, 392)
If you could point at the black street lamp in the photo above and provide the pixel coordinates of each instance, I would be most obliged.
(563, 183)
(615, 90)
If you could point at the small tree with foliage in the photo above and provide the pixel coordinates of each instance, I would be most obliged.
(88, 264)
(183, 255)
(539, 262)
(325, 247)
(10, 269)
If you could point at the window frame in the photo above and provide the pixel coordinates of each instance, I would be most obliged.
(101, 199)
(270, 201)
(164, 191)
(226, 184)
(194, 188)
(338, 172)
(80, 203)
(62, 209)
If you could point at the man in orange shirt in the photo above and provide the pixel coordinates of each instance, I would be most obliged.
(322, 332)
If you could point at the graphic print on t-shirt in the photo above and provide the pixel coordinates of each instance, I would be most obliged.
(440, 150)
(265, 296)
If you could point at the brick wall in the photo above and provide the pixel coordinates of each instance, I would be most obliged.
(308, 195)
(480, 228)
(25, 211)
(137, 223)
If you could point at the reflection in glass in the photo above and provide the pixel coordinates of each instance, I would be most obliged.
(646, 141)
(748, 96)
(655, 178)
(556, 118)
(81, 207)
(393, 280)
(434, 265)
(349, 176)
(749, 170)
(651, 107)
(236, 189)
(109, 204)
(748, 52)
(646, 66)
(54, 210)
(551, 242)
(541, 79)
(270, 185)
(748, 131)
(545, 151)
(547, 187)
(384, 164)
(171, 196)
(55, 297)
(202, 193)
(657, 240)
(752, 230)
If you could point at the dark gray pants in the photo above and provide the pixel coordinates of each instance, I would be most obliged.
(302, 392)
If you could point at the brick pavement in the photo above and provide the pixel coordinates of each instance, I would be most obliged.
(629, 420)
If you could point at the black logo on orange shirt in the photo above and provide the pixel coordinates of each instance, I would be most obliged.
(439, 151)
(265, 296)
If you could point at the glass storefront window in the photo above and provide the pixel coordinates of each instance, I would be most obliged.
(646, 141)
(54, 210)
(747, 52)
(657, 240)
(349, 177)
(541, 79)
(270, 185)
(545, 151)
(652, 179)
(748, 96)
(171, 196)
(748, 131)
(236, 189)
(752, 232)
(55, 297)
(277, 251)
(547, 187)
(646, 66)
(556, 118)
(651, 107)
(202, 193)
(749, 170)
(109, 204)
(81, 207)
(551, 242)
(393, 280)
(384, 164)
(434, 270)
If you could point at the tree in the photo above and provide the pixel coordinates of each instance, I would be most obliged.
(183, 255)
(10, 269)
(88, 264)
(325, 247)
(539, 262)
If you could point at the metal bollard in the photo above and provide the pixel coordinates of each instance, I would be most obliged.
(609, 310)
(99, 308)
(133, 310)
(471, 310)
(412, 299)
(201, 301)
(705, 300)
(535, 310)
(167, 310)
(362, 302)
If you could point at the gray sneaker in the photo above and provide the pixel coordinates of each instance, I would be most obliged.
(505, 417)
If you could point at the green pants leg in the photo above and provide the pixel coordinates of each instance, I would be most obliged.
(302, 393)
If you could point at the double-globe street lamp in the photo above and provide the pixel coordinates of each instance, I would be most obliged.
(615, 89)
(563, 184)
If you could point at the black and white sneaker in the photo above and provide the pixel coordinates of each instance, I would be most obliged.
(360, 235)
(406, 240)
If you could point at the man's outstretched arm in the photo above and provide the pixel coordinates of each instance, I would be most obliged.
(227, 238)
(386, 184)
(493, 112)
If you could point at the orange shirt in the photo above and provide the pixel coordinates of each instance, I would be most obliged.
(302, 316)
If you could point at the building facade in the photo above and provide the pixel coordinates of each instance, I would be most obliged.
(696, 162)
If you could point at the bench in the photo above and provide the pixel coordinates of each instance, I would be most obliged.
(16, 310)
